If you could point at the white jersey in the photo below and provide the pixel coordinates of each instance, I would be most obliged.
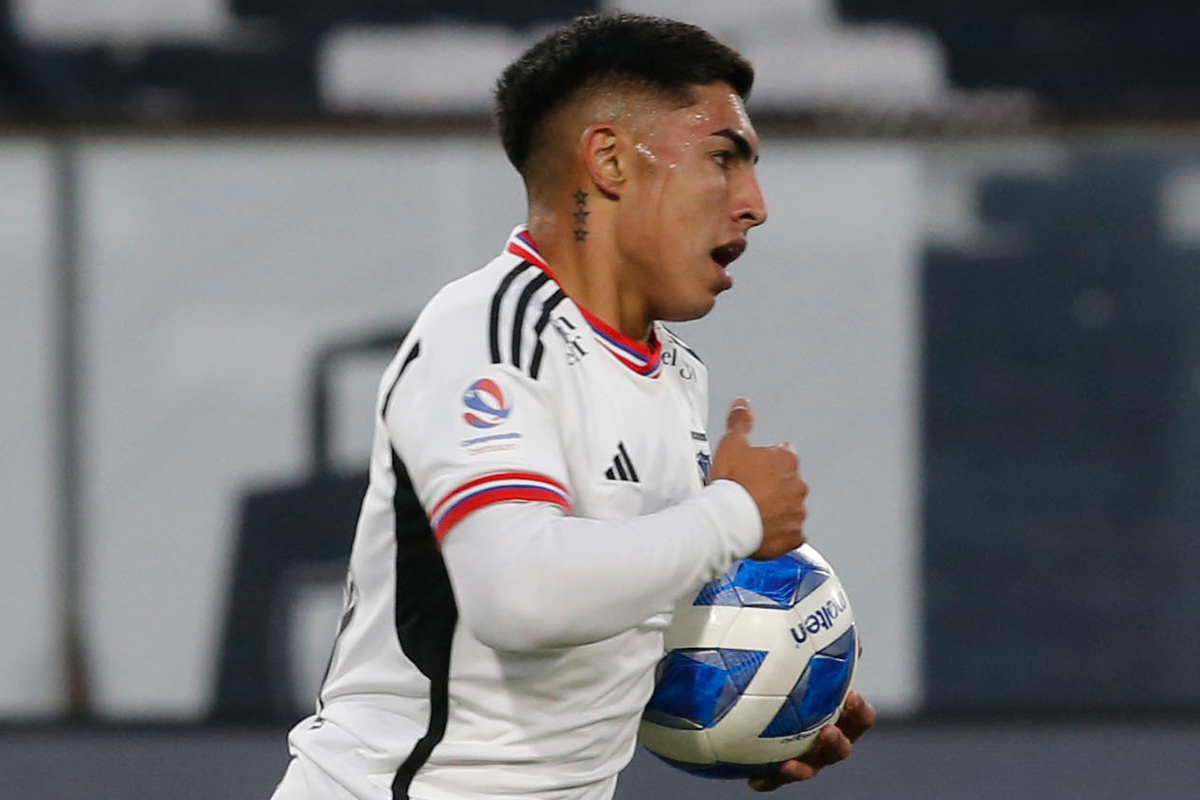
(537, 500)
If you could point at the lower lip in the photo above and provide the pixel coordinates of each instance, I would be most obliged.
(726, 280)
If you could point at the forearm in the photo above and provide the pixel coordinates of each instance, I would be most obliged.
(528, 578)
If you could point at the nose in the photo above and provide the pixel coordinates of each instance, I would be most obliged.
(750, 207)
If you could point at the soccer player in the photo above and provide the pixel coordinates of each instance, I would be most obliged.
(542, 487)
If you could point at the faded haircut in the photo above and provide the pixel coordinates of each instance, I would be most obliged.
(616, 49)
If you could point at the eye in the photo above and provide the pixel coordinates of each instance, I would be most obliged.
(723, 158)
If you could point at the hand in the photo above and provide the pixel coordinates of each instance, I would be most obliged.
(772, 477)
(833, 744)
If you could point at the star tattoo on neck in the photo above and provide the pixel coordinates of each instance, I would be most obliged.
(580, 215)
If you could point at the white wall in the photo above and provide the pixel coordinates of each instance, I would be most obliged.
(214, 268)
(30, 678)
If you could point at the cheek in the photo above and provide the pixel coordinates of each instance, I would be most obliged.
(707, 197)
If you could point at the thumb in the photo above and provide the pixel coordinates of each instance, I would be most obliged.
(741, 418)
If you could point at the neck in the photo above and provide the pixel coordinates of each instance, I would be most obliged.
(575, 237)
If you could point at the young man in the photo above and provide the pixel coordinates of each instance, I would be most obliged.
(540, 485)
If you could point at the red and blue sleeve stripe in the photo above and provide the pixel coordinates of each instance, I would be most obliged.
(501, 487)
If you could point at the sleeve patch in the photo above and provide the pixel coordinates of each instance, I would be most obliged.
(486, 404)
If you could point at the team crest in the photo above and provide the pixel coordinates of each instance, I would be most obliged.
(486, 404)
(704, 463)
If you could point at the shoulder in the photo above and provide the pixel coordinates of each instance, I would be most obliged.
(496, 315)
(491, 321)
(677, 353)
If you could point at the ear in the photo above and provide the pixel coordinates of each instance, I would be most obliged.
(600, 148)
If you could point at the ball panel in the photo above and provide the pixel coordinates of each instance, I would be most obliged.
(691, 747)
(824, 615)
(718, 593)
(810, 579)
(699, 626)
(742, 665)
(768, 584)
(828, 680)
(817, 697)
(787, 721)
(809, 554)
(771, 630)
(696, 687)
(722, 770)
(777, 583)
(691, 691)
(843, 647)
(736, 738)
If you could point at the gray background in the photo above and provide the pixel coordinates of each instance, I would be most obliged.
(1005, 761)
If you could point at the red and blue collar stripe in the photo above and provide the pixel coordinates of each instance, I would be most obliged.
(521, 243)
(642, 359)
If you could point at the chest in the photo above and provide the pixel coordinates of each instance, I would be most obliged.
(635, 445)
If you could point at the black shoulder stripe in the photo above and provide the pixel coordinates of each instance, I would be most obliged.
(494, 322)
(408, 359)
(519, 316)
(535, 365)
(679, 342)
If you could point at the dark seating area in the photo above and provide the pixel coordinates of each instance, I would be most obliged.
(273, 78)
(322, 13)
(1115, 56)
(1061, 408)
(267, 72)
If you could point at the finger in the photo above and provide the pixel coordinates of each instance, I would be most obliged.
(832, 746)
(741, 418)
(857, 716)
(789, 772)
(796, 770)
(765, 783)
(793, 460)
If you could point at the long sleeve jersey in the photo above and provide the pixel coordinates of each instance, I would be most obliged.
(538, 500)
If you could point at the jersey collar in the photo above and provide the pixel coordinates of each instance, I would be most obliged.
(633, 354)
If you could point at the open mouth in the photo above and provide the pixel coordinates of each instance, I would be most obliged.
(727, 253)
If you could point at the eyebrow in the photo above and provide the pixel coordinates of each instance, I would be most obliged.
(739, 143)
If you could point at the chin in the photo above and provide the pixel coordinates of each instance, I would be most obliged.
(685, 312)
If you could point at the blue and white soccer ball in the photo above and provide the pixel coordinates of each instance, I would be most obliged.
(757, 663)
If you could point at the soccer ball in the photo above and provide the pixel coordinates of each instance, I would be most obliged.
(757, 663)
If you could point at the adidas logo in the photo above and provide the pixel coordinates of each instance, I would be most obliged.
(622, 468)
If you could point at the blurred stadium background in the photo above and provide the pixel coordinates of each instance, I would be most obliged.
(976, 311)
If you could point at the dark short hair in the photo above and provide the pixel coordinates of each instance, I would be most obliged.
(657, 53)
